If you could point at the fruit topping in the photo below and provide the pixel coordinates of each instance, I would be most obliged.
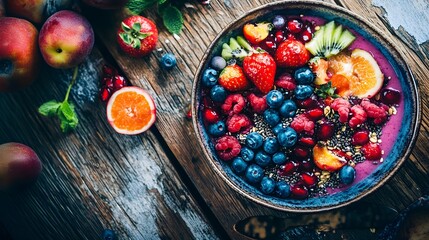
(372, 151)
(247, 154)
(360, 138)
(227, 147)
(288, 109)
(325, 131)
(210, 115)
(274, 98)
(254, 173)
(217, 129)
(288, 168)
(287, 137)
(238, 165)
(347, 174)
(218, 93)
(279, 158)
(359, 116)
(235, 49)
(262, 158)
(303, 91)
(254, 140)
(209, 77)
(279, 22)
(271, 116)
(326, 160)
(255, 33)
(233, 104)
(271, 145)
(238, 123)
(329, 40)
(315, 114)
(218, 63)
(309, 179)
(286, 82)
(291, 53)
(301, 124)
(377, 113)
(342, 106)
(232, 78)
(299, 191)
(282, 189)
(267, 185)
(294, 25)
(304, 76)
(307, 142)
(390, 96)
(319, 66)
(257, 104)
(260, 68)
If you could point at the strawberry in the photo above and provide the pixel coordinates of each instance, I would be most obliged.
(255, 33)
(291, 53)
(137, 36)
(260, 68)
(232, 78)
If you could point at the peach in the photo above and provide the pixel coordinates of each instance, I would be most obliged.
(66, 39)
(106, 4)
(35, 11)
(326, 160)
(19, 56)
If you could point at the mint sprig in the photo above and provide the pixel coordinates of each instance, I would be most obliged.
(65, 111)
(171, 15)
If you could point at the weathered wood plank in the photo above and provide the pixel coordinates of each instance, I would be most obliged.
(93, 178)
(172, 92)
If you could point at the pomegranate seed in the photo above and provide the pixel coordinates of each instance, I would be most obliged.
(119, 82)
(309, 179)
(306, 35)
(189, 114)
(279, 36)
(307, 141)
(290, 36)
(294, 25)
(308, 103)
(288, 168)
(109, 71)
(105, 79)
(390, 96)
(299, 191)
(109, 83)
(325, 131)
(371, 151)
(208, 102)
(269, 44)
(210, 115)
(360, 138)
(300, 152)
(306, 165)
(315, 114)
(105, 94)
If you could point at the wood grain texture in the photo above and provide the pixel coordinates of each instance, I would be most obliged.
(93, 178)
(172, 92)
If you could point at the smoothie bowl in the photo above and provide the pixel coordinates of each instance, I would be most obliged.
(303, 106)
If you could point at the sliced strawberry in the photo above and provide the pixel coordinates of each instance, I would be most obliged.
(232, 78)
(291, 53)
(255, 33)
(260, 68)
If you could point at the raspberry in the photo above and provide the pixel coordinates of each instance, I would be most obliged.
(227, 147)
(358, 116)
(238, 123)
(342, 106)
(302, 124)
(258, 104)
(233, 104)
(373, 111)
(286, 81)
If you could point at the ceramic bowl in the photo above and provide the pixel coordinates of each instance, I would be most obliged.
(392, 160)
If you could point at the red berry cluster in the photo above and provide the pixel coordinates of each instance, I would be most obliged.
(111, 82)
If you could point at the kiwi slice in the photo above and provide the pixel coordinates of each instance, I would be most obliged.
(329, 40)
(243, 43)
(235, 49)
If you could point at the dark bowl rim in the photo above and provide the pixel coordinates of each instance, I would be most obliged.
(416, 121)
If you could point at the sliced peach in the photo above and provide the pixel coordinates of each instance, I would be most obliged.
(319, 67)
(326, 160)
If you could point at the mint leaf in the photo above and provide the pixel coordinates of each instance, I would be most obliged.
(161, 1)
(67, 111)
(50, 108)
(138, 6)
(67, 124)
(173, 19)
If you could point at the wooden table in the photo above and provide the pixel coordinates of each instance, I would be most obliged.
(159, 184)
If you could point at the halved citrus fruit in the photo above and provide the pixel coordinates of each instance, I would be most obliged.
(360, 70)
(131, 111)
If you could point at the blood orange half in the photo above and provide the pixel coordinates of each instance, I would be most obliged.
(131, 111)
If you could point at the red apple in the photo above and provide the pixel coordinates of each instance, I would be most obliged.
(19, 55)
(35, 11)
(19, 165)
(66, 39)
(106, 4)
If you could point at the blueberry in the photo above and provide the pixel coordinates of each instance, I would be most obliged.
(209, 77)
(217, 129)
(267, 185)
(262, 159)
(272, 117)
(279, 22)
(238, 165)
(304, 76)
(278, 128)
(303, 91)
(254, 173)
(288, 109)
(168, 61)
(218, 93)
(347, 174)
(288, 137)
(247, 154)
(218, 63)
(274, 98)
(108, 234)
(254, 140)
(271, 145)
(279, 158)
(282, 189)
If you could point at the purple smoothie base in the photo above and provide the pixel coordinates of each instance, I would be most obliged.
(390, 130)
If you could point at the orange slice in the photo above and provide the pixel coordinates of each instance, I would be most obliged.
(341, 83)
(131, 111)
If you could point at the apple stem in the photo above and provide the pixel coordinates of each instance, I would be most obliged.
(71, 83)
